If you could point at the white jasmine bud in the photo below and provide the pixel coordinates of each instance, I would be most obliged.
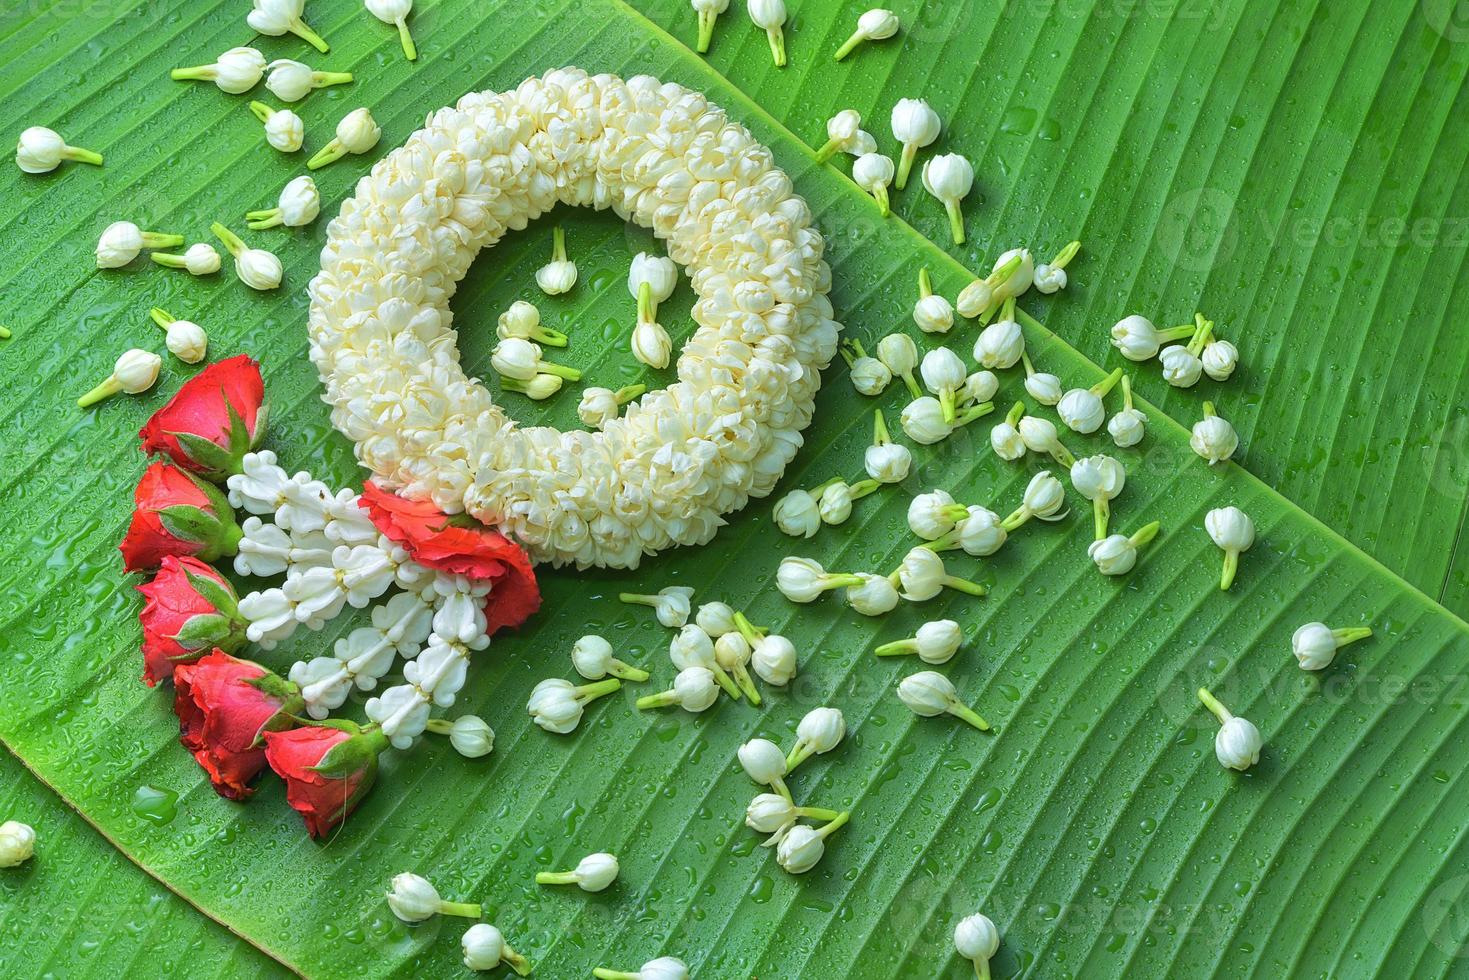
(283, 128)
(835, 503)
(842, 132)
(521, 360)
(471, 737)
(1138, 340)
(290, 81)
(121, 242)
(804, 580)
(184, 340)
(774, 659)
(932, 313)
(538, 388)
(869, 375)
(708, 11)
(873, 172)
(1005, 438)
(277, 17)
(651, 280)
(923, 576)
(256, 267)
(556, 705)
(949, 177)
(357, 132)
(523, 321)
(900, 355)
(135, 372)
(395, 12)
(943, 375)
(236, 71)
(485, 948)
(691, 647)
(930, 694)
(923, 421)
(932, 515)
(1315, 644)
(1000, 344)
(716, 619)
(876, 24)
(1126, 427)
(935, 643)
(592, 657)
(593, 873)
(40, 151)
(1040, 436)
(1213, 438)
(770, 15)
(1082, 409)
(670, 605)
(1044, 498)
(1014, 272)
(820, 731)
(694, 690)
(1237, 746)
(798, 514)
(886, 461)
(200, 259)
(771, 813)
(1181, 367)
(1044, 388)
(874, 595)
(651, 344)
(414, 898)
(732, 653)
(1116, 554)
(558, 275)
(663, 968)
(17, 843)
(802, 847)
(299, 204)
(1219, 359)
(977, 940)
(1232, 530)
(915, 125)
(1099, 479)
(599, 406)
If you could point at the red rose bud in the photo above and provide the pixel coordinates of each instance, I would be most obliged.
(327, 769)
(188, 610)
(225, 707)
(215, 419)
(460, 545)
(175, 513)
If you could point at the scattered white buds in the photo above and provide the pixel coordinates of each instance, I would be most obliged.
(17, 843)
(929, 694)
(284, 130)
(873, 172)
(598, 406)
(414, 898)
(1116, 554)
(771, 813)
(1138, 340)
(395, 12)
(802, 847)
(236, 71)
(184, 339)
(770, 15)
(820, 731)
(1315, 644)
(357, 132)
(1050, 277)
(765, 763)
(899, 354)
(1098, 479)
(593, 873)
(935, 643)
(135, 372)
(558, 275)
(949, 178)
(1127, 426)
(592, 657)
(708, 11)
(1213, 438)
(1219, 359)
(256, 267)
(876, 24)
(485, 948)
(982, 297)
(277, 17)
(556, 705)
(670, 605)
(732, 653)
(922, 576)
(40, 151)
(291, 81)
(1181, 363)
(932, 313)
(1232, 530)
(1082, 409)
(1238, 743)
(299, 204)
(977, 940)
(694, 690)
(915, 125)
(199, 259)
(663, 968)
(886, 461)
(121, 241)
(691, 647)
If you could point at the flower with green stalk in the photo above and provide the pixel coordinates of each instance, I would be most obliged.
(1005, 438)
(982, 297)
(184, 339)
(765, 763)
(134, 373)
(256, 267)
(1232, 530)
(979, 533)
(484, 948)
(1315, 644)
(413, 898)
(1127, 426)
(1098, 479)
(538, 388)
(40, 150)
(1040, 385)
(1050, 277)
(470, 735)
(708, 11)
(299, 204)
(1138, 340)
(932, 313)
(873, 172)
(395, 12)
(1044, 498)
(886, 461)
(771, 813)
(977, 940)
(899, 354)
(598, 406)
(1082, 409)
(694, 690)
(692, 647)
(798, 513)
(1213, 438)
(357, 132)
(593, 873)
(876, 24)
(922, 576)
(929, 694)
(1182, 365)
(236, 71)
(802, 847)
(1116, 554)
(932, 515)
(820, 731)
(200, 259)
(915, 125)
(556, 705)
(835, 503)
(732, 652)
(523, 321)
(1040, 436)
(558, 275)
(1238, 743)
(935, 643)
(663, 968)
(949, 177)
(1000, 344)
(869, 375)
(592, 657)
(277, 17)
(842, 132)
(805, 580)
(291, 81)
(121, 241)
(770, 16)
(519, 359)
(670, 605)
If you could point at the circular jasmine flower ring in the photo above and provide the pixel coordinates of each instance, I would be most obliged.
(679, 458)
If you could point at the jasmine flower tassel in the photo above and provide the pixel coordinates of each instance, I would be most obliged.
(200, 259)
(1127, 426)
(236, 71)
(299, 205)
(40, 150)
(1050, 277)
(357, 132)
(485, 948)
(184, 340)
(121, 242)
(663, 968)
(283, 128)
(820, 731)
(395, 12)
(558, 275)
(708, 11)
(414, 899)
(593, 873)
(277, 17)
(592, 657)
(874, 25)
(1117, 554)
(770, 15)
(1238, 744)
(935, 643)
(671, 605)
(1232, 530)
(290, 81)
(930, 694)
(256, 267)
(1315, 644)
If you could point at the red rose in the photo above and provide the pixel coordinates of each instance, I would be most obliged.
(224, 706)
(327, 770)
(463, 546)
(215, 419)
(175, 513)
(188, 609)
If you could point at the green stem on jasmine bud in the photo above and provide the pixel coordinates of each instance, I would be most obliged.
(5, 333)
(81, 156)
(880, 434)
(1065, 255)
(556, 877)
(560, 370)
(298, 27)
(468, 910)
(960, 710)
(913, 389)
(880, 195)
(160, 317)
(818, 813)
(898, 648)
(828, 150)
(1209, 409)
(1101, 388)
(1231, 565)
(925, 284)
(591, 692)
(746, 685)
(230, 239)
(155, 239)
(974, 412)
(327, 154)
(706, 30)
(261, 220)
(777, 38)
(836, 823)
(260, 110)
(1351, 634)
(1144, 534)
(850, 44)
(106, 389)
(1016, 413)
(1101, 511)
(627, 393)
(410, 50)
(647, 312)
(964, 585)
(1218, 710)
(956, 221)
(1127, 393)
(747, 629)
(602, 973)
(905, 164)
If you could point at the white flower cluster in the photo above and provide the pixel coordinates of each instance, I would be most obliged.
(716, 652)
(798, 847)
(657, 154)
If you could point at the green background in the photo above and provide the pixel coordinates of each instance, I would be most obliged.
(1294, 170)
